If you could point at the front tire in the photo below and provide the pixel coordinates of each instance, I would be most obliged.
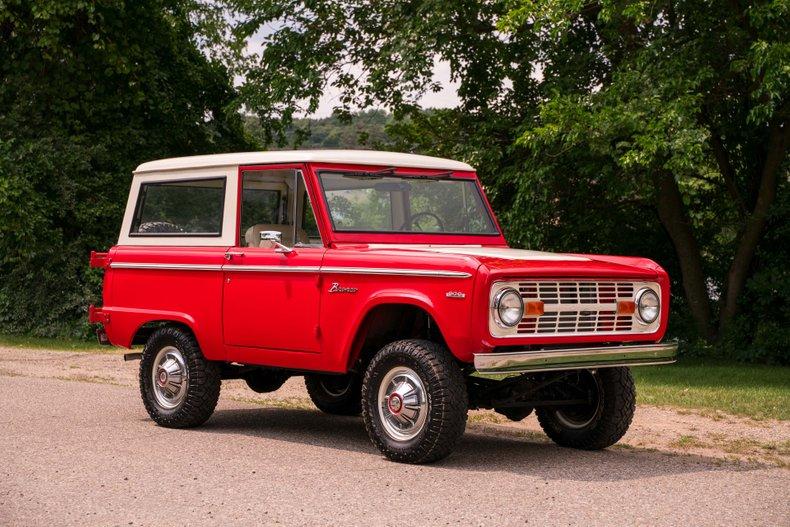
(601, 422)
(179, 387)
(335, 394)
(414, 401)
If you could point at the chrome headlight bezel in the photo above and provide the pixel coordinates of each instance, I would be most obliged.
(642, 296)
(502, 295)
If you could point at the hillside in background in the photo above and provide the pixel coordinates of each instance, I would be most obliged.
(365, 130)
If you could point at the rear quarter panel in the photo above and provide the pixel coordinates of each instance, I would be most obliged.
(134, 297)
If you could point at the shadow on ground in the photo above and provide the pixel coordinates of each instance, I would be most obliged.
(476, 452)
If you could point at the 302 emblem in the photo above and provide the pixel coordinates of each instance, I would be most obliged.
(337, 288)
(455, 294)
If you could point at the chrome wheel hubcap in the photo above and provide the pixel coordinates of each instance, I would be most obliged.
(170, 377)
(402, 403)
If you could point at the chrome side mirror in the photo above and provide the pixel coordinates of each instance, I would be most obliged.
(275, 238)
(272, 236)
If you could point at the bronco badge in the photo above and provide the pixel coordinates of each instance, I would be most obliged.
(337, 288)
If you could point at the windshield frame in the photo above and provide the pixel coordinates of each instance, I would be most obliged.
(412, 237)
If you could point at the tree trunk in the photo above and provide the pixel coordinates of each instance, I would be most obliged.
(675, 220)
(754, 224)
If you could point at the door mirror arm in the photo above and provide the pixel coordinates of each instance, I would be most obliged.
(275, 238)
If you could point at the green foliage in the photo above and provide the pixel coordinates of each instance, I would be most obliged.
(710, 116)
(762, 332)
(656, 129)
(630, 127)
(89, 90)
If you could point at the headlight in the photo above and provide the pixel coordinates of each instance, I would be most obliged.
(509, 307)
(648, 306)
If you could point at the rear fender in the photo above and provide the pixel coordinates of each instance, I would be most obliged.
(124, 323)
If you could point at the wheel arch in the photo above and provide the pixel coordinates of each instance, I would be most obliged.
(144, 330)
(389, 317)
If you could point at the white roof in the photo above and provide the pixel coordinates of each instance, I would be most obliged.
(366, 157)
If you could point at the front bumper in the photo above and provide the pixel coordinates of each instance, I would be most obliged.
(575, 358)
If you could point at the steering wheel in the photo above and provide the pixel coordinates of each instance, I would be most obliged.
(414, 217)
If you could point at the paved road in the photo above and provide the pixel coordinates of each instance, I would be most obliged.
(79, 453)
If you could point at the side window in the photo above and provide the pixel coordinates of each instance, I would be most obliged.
(276, 200)
(180, 208)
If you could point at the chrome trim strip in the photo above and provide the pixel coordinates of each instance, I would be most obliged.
(291, 269)
(395, 272)
(166, 266)
(272, 268)
(575, 358)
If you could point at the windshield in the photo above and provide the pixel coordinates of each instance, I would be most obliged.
(368, 202)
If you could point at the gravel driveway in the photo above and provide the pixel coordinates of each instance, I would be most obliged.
(76, 448)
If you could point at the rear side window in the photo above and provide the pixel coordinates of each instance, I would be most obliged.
(180, 208)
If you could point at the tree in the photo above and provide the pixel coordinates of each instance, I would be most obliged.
(657, 128)
(89, 90)
(689, 103)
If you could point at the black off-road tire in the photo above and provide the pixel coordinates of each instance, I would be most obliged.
(447, 401)
(612, 418)
(202, 386)
(335, 394)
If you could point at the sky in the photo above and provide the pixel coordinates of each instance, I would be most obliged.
(447, 97)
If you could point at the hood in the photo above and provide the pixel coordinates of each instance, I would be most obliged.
(504, 261)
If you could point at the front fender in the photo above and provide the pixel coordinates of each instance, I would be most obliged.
(450, 316)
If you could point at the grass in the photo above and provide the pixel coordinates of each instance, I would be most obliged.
(686, 441)
(756, 391)
(53, 344)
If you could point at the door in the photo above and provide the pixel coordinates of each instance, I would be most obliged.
(271, 291)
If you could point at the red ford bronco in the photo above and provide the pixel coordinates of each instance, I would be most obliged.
(383, 279)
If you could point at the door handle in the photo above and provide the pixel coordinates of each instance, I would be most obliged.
(230, 254)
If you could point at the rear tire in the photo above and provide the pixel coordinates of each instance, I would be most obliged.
(599, 424)
(335, 394)
(414, 401)
(179, 387)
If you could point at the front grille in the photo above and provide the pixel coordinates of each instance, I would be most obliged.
(572, 307)
(576, 292)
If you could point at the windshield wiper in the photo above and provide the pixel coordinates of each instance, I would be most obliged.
(372, 174)
(430, 177)
(378, 174)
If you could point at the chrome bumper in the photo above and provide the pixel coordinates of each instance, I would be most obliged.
(575, 358)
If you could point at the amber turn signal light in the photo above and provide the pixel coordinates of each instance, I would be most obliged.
(626, 307)
(533, 309)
